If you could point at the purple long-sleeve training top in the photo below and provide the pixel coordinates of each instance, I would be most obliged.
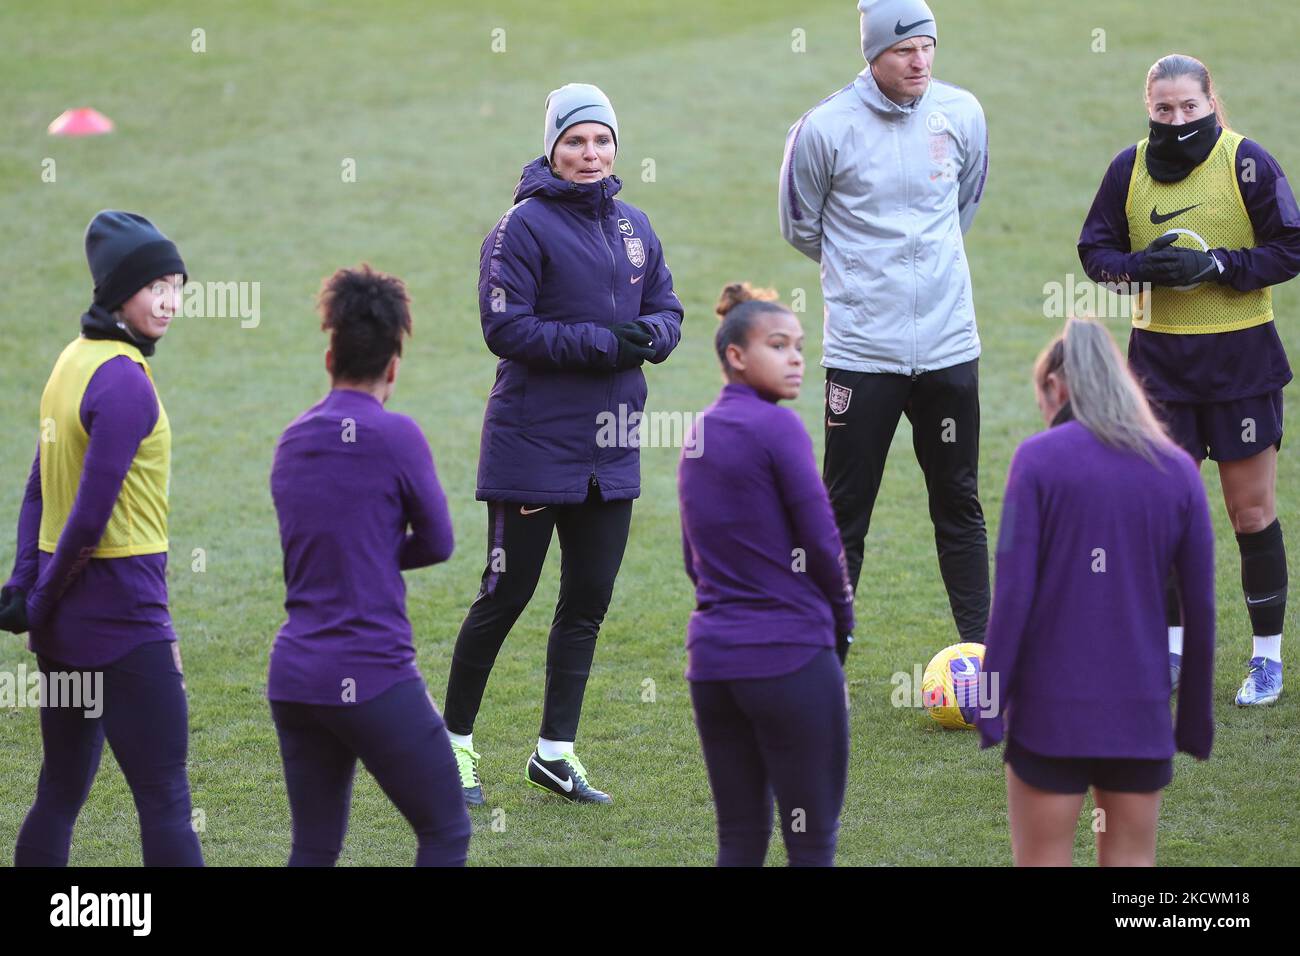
(348, 481)
(760, 543)
(1077, 635)
(84, 611)
(1216, 366)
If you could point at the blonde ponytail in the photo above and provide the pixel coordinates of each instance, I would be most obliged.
(1104, 396)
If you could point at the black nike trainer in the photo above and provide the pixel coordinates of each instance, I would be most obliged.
(467, 767)
(565, 777)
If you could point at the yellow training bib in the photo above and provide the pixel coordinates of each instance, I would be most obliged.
(138, 524)
(1206, 212)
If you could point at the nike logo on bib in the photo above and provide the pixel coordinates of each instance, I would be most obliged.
(1157, 219)
(899, 29)
(636, 279)
(831, 424)
(565, 785)
(559, 120)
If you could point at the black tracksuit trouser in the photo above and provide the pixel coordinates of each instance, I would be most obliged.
(593, 536)
(862, 414)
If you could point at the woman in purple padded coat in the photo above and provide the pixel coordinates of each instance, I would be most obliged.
(574, 296)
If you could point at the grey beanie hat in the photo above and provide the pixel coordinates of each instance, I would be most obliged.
(886, 22)
(572, 104)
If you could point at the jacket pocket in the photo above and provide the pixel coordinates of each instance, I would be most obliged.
(507, 402)
(631, 391)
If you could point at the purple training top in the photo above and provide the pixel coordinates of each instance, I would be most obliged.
(1216, 366)
(348, 480)
(760, 543)
(1077, 634)
(92, 612)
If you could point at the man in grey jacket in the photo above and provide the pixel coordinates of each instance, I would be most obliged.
(879, 182)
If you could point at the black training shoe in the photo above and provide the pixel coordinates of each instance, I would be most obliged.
(565, 777)
(467, 766)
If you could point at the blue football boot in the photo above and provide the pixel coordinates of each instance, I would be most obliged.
(1263, 684)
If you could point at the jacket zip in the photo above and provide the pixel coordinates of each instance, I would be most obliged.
(907, 202)
(613, 309)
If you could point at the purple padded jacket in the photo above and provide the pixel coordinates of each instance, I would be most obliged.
(565, 263)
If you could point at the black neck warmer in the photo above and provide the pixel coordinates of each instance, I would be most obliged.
(1174, 151)
(1066, 414)
(99, 323)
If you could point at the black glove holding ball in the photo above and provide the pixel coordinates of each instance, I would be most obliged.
(1163, 263)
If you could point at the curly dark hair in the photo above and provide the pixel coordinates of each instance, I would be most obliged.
(367, 314)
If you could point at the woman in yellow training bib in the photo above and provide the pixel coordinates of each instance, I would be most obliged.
(1205, 219)
(90, 578)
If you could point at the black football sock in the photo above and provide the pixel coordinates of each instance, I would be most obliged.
(1264, 578)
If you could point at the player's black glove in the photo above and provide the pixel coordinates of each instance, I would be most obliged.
(635, 345)
(13, 610)
(842, 645)
(649, 329)
(1170, 265)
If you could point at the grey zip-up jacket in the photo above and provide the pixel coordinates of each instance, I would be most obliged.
(880, 195)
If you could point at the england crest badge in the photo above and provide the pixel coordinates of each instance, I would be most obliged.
(837, 399)
(635, 252)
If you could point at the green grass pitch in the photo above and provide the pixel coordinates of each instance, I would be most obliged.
(237, 153)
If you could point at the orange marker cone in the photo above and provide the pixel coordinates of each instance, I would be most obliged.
(81, 122)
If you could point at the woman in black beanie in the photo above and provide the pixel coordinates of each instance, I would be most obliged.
(90, 578)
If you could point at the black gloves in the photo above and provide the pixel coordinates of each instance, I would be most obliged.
(635, 345)
(1166, 264)
(13, 610)
(842, 645)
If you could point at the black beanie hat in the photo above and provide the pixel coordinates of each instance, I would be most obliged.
(126, 252)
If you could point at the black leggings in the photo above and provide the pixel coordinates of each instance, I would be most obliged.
(145, 720)
(862, 413)
(787, 734)
(593, 535)
(402, 742)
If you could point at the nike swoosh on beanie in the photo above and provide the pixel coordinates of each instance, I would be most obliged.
(886, 22)
(562, 104)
